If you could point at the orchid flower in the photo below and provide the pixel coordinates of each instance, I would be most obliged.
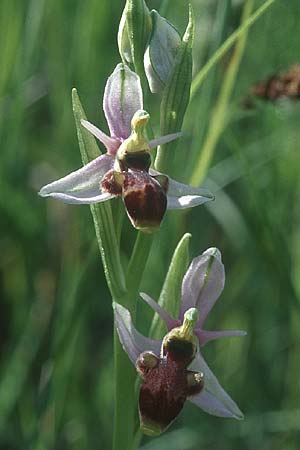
(125, 168)
(167, 380)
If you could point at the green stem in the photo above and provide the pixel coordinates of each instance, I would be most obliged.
(125, 374)
(227, 45)
(220, 114)
(109, 249)
(136, 267)
(123, 289)
(124, 407)
(102, 214)
(208, 92)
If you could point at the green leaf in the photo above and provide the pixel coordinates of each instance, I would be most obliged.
(220, 116)
(170, 297)
(240, 31)
(88, 148)
(176, 96)
(101, 212)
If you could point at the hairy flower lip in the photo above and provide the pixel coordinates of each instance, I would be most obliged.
(145, 200)
(201, 287)
(163, 391)
(112, 143)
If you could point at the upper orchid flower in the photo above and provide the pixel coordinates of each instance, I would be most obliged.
(125, 169)
(167, 381)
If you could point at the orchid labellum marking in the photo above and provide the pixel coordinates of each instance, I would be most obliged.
(166, 380)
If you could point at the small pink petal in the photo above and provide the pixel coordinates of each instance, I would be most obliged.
(169, 321)
(206, 336)
(164, 139)
(111, 144)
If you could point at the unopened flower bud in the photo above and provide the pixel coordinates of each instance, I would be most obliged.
(124, 40)
(160, 54)
(134, 31)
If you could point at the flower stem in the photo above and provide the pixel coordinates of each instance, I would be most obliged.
(136, 267)
(108, 241)
(125, 374)
(124, 412)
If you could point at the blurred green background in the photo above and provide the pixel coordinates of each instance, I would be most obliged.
(56, 327)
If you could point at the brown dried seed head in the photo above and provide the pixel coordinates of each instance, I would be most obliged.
(286, 84)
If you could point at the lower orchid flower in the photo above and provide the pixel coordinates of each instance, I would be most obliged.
(173, 369)
(125, 169)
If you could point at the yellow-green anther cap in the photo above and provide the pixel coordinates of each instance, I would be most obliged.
(190, 319)
(161, 51)
(134, 32)
(137, 142)
(185, 332)
(139, 121)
